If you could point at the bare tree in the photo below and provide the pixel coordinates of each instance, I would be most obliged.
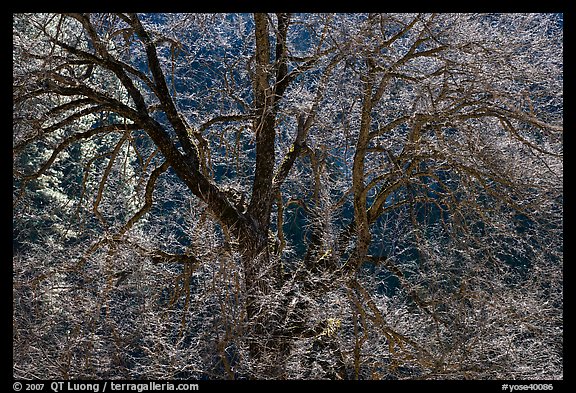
(288, 196)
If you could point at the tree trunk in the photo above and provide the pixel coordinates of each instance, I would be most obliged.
(264, 310)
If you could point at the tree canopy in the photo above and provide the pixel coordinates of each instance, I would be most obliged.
(343, 196)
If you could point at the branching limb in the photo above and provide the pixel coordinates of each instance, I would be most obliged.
(159, 256)
(76, 138)
(378, 319)
(293, 153)
(147, 198)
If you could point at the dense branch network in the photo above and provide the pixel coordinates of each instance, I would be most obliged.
(315, 185)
